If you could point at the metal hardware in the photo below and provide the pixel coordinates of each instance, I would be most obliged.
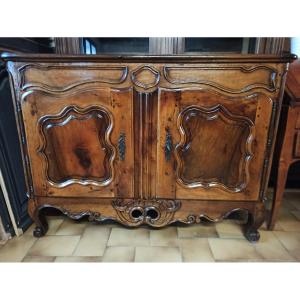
(122, 146)
(168, 145)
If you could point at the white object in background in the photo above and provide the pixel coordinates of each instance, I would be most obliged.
(295, 46)
(17, 230)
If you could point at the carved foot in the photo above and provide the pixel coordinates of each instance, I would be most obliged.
(255, 220)
(252, 235)
(39, 232)
(41, 223)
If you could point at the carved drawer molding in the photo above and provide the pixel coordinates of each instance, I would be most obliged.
(244, 79)
(62, 78)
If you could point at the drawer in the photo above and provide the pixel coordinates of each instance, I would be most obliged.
(65, 77)
(232, 79)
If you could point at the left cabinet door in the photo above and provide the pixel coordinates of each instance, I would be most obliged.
(80, 141)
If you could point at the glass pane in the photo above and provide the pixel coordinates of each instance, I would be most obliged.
(118, 45)
(231, 45)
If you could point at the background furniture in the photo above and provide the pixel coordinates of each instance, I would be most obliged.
(288, 141)
(13, 197)
(148, 139)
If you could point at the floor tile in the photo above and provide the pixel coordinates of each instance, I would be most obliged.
(228, 229)
(196, 250)
(129, 237)
(263, 227)
(291, 241)
(233, 249)
(296, 213)
(287, 204)
(77, 259)
(292, 198)
(16, 249)
(38, 259)
(53, 222)
(54, 246)
(157, 254)
(270, 248)
(287, 221)
(3, 242)
(93, 241)
(164, 237)
(71, 227)
(119, 254)
(197, 230)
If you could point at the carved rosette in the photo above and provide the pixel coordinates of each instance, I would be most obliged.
(156, 213)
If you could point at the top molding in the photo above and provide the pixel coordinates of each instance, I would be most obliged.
(227, 58)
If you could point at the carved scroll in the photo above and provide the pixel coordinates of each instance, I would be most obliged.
(156, 213)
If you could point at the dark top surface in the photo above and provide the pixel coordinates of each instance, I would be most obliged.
(218, 58)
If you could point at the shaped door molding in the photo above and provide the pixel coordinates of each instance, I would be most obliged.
(230, 172)
(81, 157)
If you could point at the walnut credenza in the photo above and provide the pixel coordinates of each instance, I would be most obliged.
(148, 139)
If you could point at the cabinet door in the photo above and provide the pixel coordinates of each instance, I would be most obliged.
(80, 142)
(211, 145)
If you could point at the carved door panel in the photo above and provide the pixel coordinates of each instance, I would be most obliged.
(80, 142)
(211, 145)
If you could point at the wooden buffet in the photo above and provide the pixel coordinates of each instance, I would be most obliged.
(148, 139)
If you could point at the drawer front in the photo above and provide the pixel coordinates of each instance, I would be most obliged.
(65, 77)
(231, 79)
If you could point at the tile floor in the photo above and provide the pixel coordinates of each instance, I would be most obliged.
(71, 241)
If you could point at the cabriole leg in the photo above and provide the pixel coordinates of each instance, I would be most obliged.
(41, 223)
(255, 220)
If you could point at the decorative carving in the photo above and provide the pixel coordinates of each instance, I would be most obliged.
(184, 76)
(168, 145)
(76, 80)
(156, 213)
(202, 218)
(85, 158)
(122, 146)
(42, 224)
(229, 169)
(145, 77)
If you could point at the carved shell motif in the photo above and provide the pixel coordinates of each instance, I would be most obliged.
(145, 77)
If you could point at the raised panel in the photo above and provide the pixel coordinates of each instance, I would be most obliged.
(77, 146)
(218, 144)
(73, 142)
(215, 148)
